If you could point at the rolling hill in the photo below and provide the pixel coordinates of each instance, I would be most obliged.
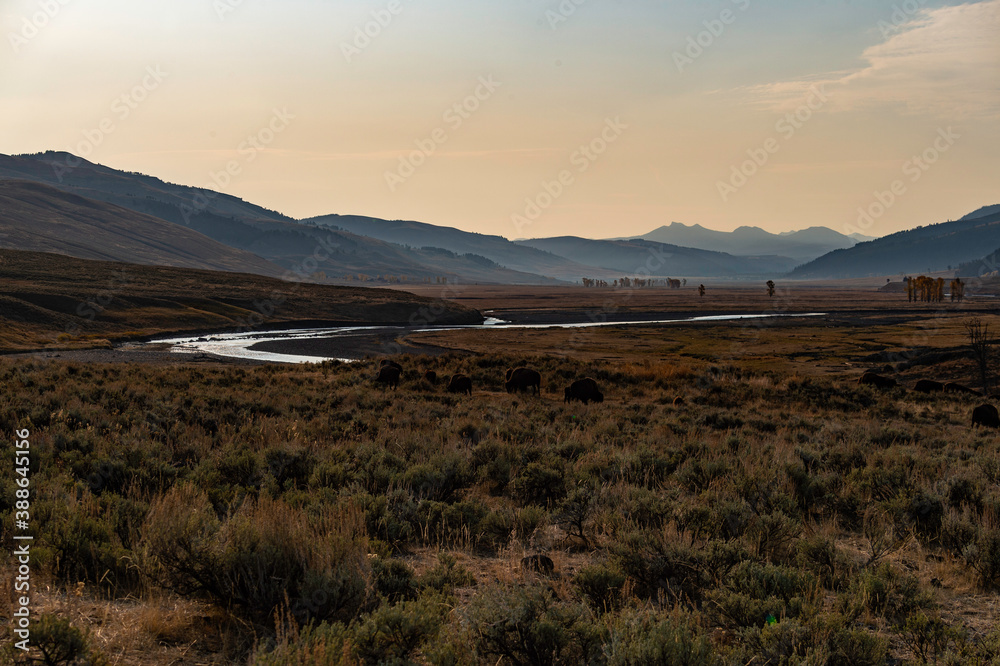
(54, 300)
(935, 247)
(514, 256)
(279, 239)
(38, 217)
(659, 259)
(800, 246)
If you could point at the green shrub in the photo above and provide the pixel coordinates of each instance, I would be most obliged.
(641, 638)
(529, 626)
(393, 579)
(983, 556)
(261, 556)
(888, 593)
(393, 634)
(446, 575)
(755, 591)
(314, 645)
(601, 585)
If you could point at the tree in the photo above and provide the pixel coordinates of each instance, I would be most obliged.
(770, 288)
(979, 342)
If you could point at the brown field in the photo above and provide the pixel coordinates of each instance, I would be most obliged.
(211, 513)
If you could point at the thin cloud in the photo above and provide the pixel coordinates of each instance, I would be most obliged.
(944, 62)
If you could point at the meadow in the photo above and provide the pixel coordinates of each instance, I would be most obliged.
(776, 513)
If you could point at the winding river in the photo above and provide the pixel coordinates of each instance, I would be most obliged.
(239, 345)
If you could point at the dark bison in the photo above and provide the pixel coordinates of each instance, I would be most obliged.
(540, 563)
(431, 377)
(928, 386)
(585, 390)
(460, 384)
(390, 363)
(986, 415)
(388, 375)
(952, 387)
(523, 379)
(876, 380)
(678, 401)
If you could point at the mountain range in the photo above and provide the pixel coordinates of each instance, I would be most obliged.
(56, 202)
(798, 246)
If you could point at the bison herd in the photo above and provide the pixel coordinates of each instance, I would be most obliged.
(984, 415)
(516, 380)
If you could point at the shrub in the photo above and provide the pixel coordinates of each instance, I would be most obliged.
(393, 579)
(888, 593)
(260, 556)
(393, 634)
(983, 556)
(446, 575)
(641, 638)
(314, 645)
(529, 626)
(754, 591)
(601, 585)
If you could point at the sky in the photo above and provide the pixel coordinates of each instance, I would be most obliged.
(527, 118)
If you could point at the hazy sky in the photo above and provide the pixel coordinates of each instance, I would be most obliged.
(527, 118)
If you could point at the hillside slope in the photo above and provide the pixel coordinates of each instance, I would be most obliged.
(506, 253)
(658, 259)
(41, 218)
(935, 247)
(50, 299)
(239, 224)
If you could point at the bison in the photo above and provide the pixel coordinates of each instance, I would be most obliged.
(678, 401)
(460, 384)
(585, 390)
(431, 377)
(986, 415)
(523, 379)
(952, 387)
(876, 380)
(390, 363)
(388, 375)
(540, 563)
(928, 386)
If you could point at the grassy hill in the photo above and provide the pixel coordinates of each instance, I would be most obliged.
(935, 247)
(275, 237)
(41, 218)
(51, 300)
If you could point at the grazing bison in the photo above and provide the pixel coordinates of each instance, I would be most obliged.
(523, 379)
(388, 375)
(431, 377)
(928, 386)
(952, 387)
(460, 384)
(878, 381)
(392, 364)
(585, 390)
(986, 415)
(540, 563)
